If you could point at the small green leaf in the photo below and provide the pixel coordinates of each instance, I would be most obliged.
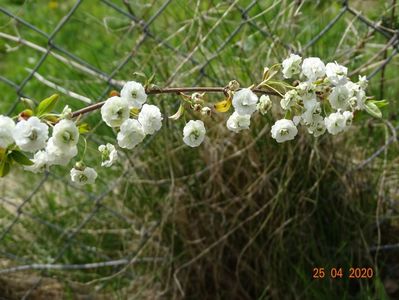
(373, 109)
(84, 128)
(4, 166)
(379, 103)
(20, 158)
(47, 105)
(140, 74)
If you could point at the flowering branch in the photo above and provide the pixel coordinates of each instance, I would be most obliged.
(321, 98)
(171, 90)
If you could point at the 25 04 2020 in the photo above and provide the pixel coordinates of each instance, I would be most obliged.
(351, 273)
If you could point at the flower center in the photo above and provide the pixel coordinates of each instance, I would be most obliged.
(119, 113)
(195, 134)
(284, 131)
(134, 94)
(67, 136)
(33, 135)
(83, 178)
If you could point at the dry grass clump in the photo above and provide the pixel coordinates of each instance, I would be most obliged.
(254, 219)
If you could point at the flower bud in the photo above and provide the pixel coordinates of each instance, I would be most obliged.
(233, 85)
(80, 166)
(197, 107)
(197, 97)
(206, 111)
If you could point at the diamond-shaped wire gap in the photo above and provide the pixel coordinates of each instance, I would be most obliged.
(222, 46)
(90, 29)
(77, 229)
(51, 226)
(45, 55)
(76, 61)
(161, 43)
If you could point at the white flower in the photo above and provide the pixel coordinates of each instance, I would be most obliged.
(115, 111)
(85, 176)
(238, 122)
(317, 127)
(313, 68)
(336, 73)
(264, 105)
(338, 122)
(284, 130)
(290, 98)
(65, 134)
(291, 65)
(131, 134)
(109, 155)
(194, 133)
(348, 115)
(7, 127)
(150, 118)
(244, 101)
(60, 155)
(361, 100)
(310, 111)
(339, 97)
(31, 135)
(40, 162)
(134, 93)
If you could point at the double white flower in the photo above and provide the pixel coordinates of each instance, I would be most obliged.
(338, 122)
(194, 133)
(109, 155)
(336, 73)
(150, 118)
(313, 68)
(238, 122)
(245, 102)
(131, 134)
(291, 65)
(7, 127)
(83, 177)
(115, 111)
(134, 93)
(31, 135)
(284, 130)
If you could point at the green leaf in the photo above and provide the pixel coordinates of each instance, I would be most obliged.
(20, 158)
(140, 74)
(84, 128)
(4, 166)
(379, 103)
(373, 109)
(47, 105)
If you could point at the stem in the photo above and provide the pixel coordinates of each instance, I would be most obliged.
(172, 90)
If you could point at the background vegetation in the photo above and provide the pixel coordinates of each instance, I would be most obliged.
(238, 218)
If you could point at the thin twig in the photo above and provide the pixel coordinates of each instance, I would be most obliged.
(61, 89)
(172, 90)
(61, 58)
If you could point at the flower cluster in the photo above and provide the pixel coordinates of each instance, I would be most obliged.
(319, 97)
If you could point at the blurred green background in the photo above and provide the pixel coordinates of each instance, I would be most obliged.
(238, 218)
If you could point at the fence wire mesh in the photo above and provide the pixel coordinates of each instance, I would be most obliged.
(181, 48)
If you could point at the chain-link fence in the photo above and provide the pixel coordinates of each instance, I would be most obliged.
(151, 36)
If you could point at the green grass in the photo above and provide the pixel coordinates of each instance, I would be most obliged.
(240, 217)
